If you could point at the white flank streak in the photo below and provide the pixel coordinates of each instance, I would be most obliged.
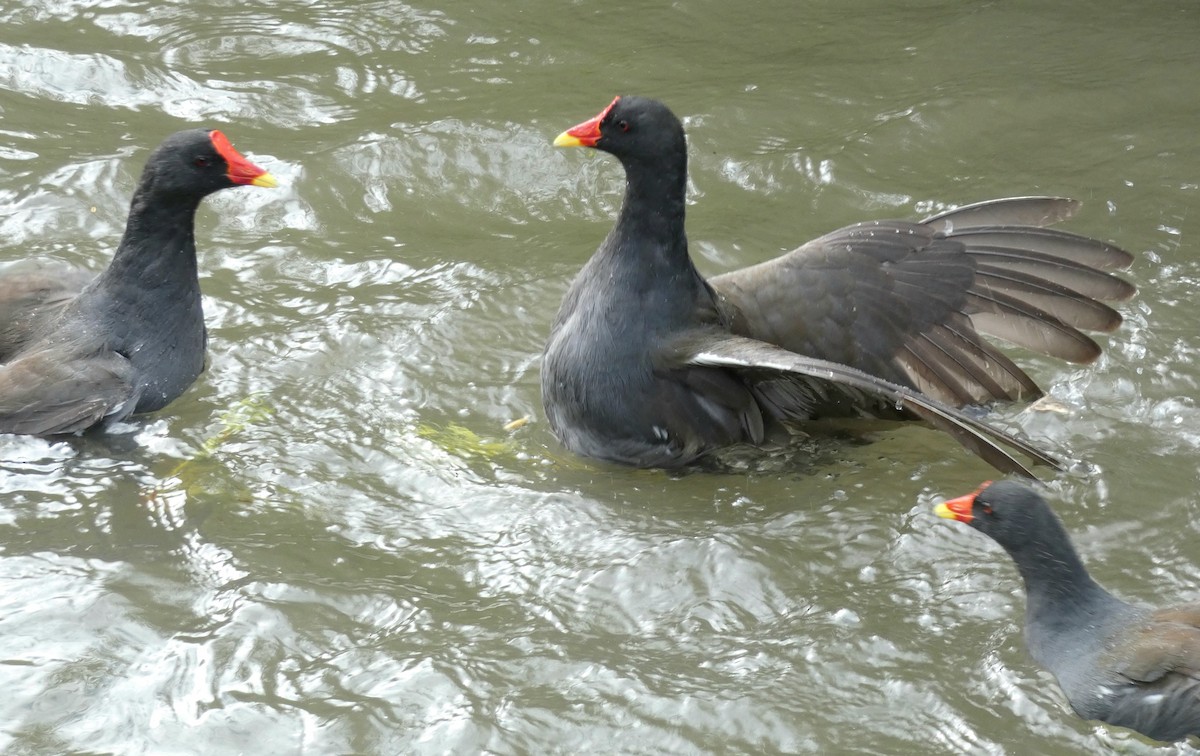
(708, 358)
(713, 359)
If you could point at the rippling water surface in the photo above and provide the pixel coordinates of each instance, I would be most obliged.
(330, 544)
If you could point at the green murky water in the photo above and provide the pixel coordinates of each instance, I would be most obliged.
(331, 545)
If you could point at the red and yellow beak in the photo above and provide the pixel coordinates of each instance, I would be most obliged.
(241, 170)
(585, 134)
(961, 508)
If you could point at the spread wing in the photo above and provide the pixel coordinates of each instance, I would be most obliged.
(910, 302)
(51, 391)
(799, 386)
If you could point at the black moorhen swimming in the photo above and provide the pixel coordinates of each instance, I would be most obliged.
(1122, 664)
(649, 364)
(77, 351)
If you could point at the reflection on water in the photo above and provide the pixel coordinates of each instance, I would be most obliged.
(330, 544)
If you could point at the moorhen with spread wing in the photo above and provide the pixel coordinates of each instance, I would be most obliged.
(78, 351)
(649, 364)
(1116, 662)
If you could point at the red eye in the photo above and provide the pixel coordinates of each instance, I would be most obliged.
(202, 162)
(623, 125)
(987, 510)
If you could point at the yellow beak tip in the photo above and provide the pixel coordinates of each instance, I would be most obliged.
(566, 140)
(266, 181)
(941, 510)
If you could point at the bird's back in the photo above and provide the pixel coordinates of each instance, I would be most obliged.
(32, 295)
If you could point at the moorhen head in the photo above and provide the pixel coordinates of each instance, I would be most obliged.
(636, 130)
(197, 162)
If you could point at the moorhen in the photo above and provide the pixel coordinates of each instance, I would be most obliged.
(648, 364)
(77, 351)
(1119, 663)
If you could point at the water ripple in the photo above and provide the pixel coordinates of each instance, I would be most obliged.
(330, 543)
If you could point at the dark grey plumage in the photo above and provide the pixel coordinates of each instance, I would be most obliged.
(651, 365)
(1116, 662)
(77, 351)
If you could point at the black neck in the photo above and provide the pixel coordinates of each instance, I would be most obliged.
(654, 206)
(1056, 581)
(158, 250)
